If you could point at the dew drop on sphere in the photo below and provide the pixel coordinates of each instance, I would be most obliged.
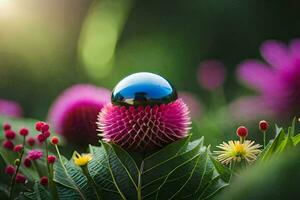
(142, 89)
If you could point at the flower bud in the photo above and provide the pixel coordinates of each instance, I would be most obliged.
(6, 127)
(54, 140)
(263, 125)
(39, 126)
(46, 134)
(242, 131)
(51, 159)
(31, 141)
(10, 135)
(17, 161)
(10, 170)
(41, 138)
(24, 132)
(18, 148)
(44, 180)
(7, 144)
(27, 162)
(45, 127)
(20, 178)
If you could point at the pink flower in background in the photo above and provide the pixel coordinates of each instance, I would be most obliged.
(10, 108)
(277, 80)
(74, 113)
(211, 74)
(248, 108)
(192, 102)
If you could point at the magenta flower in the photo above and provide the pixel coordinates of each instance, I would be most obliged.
(144, 128)
(74, 113)
(10, 108)
(211, 74)
(248, 108)
(192, 102)
(278, 80)
(35, 154)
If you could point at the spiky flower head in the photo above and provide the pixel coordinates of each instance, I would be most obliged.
(74, 113)
(236, 151)
(145, 113)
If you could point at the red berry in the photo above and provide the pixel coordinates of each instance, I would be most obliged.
(18, 148)
(45, 127)
(20, 178)
(10, 170)
(10, 135)
(24, 132)
(263, 125)
(39, 126)
(46, 134)
(31, 141)
(7, 144)
(44, 180)
(6, 127)
(27, 162)
(51, 159)
(242, 131)
(41, 138)
(54, 140)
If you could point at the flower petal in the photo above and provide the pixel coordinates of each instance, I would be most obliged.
(275, 53)
(295, 48)
(249, 108)
(256, 74)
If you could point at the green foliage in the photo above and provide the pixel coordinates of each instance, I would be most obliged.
(276, 179)
(281, 143)
(181, 170)
(39, 193)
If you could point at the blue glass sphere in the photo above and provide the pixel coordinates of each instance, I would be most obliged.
(142, 89)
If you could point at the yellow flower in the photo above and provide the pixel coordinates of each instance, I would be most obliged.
(237, 151)
(83, 159)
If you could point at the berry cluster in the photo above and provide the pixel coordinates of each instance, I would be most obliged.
(29, 152)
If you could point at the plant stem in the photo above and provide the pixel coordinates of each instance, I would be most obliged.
(50, 173)
(232, 167)
(36, 167)
(13, 180)
(264, 139)
(47, 153)
(92, 182)
(52, 184)
(242, 140)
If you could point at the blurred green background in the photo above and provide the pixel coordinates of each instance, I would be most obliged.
(47, 46)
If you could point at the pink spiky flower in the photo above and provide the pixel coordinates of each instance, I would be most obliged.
(144, 114)
(74, 113)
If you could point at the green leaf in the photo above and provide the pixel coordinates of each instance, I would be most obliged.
(39, 192)
(273, 146)
(291, 130)
(181, 170)
(296, 139)
(72, 183)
